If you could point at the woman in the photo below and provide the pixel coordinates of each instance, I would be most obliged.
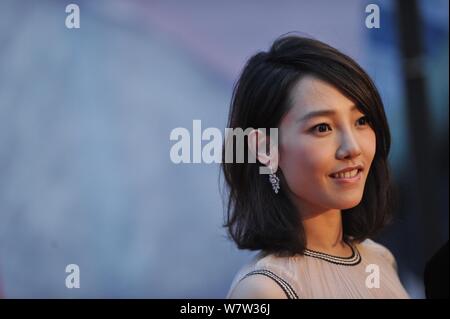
(328, 191)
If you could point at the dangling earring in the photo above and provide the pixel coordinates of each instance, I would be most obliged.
(274, 180)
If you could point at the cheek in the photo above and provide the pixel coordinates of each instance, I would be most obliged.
(369, 145)
(304, 163)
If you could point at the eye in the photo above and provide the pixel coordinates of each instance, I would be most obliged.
(320, 128)
(363, 120)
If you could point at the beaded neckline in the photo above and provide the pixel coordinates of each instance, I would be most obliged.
(353, 260)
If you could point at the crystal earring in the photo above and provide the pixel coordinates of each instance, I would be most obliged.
(274, 180)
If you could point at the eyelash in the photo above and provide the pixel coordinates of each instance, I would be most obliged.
(314, 128)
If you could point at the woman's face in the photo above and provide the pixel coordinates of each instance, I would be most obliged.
(313, 147)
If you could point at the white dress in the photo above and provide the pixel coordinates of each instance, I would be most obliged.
(370, 272)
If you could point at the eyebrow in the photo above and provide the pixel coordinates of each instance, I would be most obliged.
(313, 114)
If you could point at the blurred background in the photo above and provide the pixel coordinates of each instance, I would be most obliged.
(86, 114)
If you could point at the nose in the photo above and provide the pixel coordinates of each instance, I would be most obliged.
(349, 147)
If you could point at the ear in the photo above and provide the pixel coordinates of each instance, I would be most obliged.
(258, 142)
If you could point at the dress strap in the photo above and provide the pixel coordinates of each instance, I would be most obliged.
(288, 290)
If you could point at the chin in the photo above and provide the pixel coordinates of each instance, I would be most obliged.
(347, 204)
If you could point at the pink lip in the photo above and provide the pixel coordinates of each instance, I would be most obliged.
(347, 181)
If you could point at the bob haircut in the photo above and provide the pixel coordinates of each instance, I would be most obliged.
(258, 219)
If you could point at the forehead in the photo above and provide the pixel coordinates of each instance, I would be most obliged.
(311, 94)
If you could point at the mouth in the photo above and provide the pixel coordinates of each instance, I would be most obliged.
(347, 177)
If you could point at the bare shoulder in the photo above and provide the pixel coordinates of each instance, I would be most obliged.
(257, 287)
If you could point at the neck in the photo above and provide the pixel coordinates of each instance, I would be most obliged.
(324, 231)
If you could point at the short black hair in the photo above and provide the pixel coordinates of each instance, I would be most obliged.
(258, 219)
